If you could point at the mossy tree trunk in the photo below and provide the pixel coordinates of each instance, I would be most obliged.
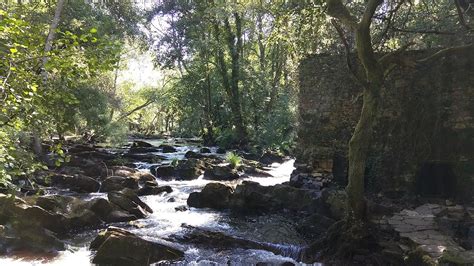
(373, 82)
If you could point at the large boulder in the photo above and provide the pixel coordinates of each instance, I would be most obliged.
(251, 197)
(192, 154)
(163, 171)
(167, 148)
(29, 238)
(116, 246)
(213, 195)
(76, 213)
(189, 169)
(185, 170)
(115, 183)
(154, 190)
(221, 172)
(128, 201)
(26, 227)
(109, 212)
(77, 183)
(123, 171)
(205, 150)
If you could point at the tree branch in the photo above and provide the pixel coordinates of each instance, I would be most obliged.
(337, 10)
(447, 51)
(424, 31)
(462, 20)
(364, 40)
(344, 41)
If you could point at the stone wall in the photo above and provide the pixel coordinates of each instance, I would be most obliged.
(424, 137)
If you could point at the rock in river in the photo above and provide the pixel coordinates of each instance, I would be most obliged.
(116, 246)
(128, 200)
(78, 183)
(213, 195)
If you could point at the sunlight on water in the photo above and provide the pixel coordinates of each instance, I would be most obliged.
(280, 172)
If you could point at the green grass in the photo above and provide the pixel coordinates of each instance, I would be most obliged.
(233, 159)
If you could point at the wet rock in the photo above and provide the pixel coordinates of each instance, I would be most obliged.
(270, 157)
(128, 201)
(30, 238)
(141, 144)
(213, 195)
(163, 171)
(220, 150)
(189, 169)
(252, 197)
(116, 246)
(115, 183)
(27, 227)
(108, 212)
(220, 241)
(205, 150)
(76, 213)
(122, 171)
(144, 177)
(181, 208)
(154, 190)
(221, 172)
(117, 216)
(171, 200)
(77, 183)
(192, 154)
(167, 148)
(145, 157)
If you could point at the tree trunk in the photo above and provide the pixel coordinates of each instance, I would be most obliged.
(37, 149)
(234, 41)
(51, 34)
(358, 150)
(232, 86)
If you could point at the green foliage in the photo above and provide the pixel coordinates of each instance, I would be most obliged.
(175, 162)
(115, 133)
(68, 94)
(233, 159)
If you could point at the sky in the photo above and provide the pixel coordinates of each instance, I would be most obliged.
(139, 68)
(140, 71)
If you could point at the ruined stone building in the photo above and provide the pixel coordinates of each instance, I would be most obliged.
(424, 137)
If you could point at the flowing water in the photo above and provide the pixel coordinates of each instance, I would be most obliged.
(166, 221)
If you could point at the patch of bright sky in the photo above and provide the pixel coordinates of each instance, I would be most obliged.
(139, 69)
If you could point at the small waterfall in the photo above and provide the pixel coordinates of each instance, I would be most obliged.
(286, 250)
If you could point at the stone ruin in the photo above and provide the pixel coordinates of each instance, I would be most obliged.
(424, 137)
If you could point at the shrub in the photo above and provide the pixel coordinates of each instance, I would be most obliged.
(175, 162)
(233, 159)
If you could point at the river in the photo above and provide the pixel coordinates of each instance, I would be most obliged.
(166, 221)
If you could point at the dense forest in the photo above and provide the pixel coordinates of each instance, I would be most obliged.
(237, 132)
